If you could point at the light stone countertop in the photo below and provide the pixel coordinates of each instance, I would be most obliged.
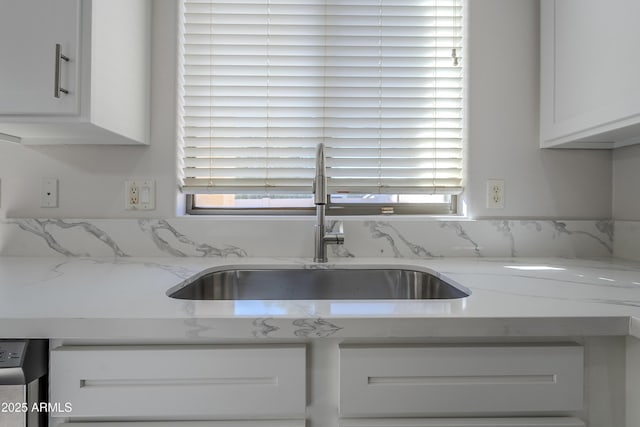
(125, 298)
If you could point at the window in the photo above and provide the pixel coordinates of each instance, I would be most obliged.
(378, 81)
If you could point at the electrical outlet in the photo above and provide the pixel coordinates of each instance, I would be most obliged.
(495, 194)
(49, 193)
(140, 194)
(134, 194)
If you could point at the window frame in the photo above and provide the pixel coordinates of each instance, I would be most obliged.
(453, 208)
(335, 209)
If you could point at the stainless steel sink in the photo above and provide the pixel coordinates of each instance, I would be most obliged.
(321, 284)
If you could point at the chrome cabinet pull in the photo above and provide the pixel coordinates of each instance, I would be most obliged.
(56, 82)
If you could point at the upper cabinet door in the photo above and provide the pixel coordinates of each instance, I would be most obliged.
(589, 83)
(101, 71)
(29, 32)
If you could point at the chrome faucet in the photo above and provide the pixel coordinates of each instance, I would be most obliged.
(322, 237)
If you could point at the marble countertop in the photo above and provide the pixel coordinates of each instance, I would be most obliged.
(125, 298)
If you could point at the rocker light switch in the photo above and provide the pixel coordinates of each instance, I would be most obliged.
(145, 195)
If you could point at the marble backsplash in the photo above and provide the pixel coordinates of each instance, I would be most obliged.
(398, 237)
(627, 240)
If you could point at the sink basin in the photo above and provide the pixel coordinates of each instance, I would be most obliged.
(320, 284)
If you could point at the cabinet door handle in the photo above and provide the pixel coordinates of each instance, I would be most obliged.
(56, 81)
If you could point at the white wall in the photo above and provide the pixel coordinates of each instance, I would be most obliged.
(503, 124)
(626, 177)
(91, 178)
(503, 137)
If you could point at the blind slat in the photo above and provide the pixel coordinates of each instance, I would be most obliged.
(290, 147)
(265, 81)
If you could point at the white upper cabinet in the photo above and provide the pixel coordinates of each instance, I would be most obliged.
(30, 31)
(75, 72)
(589, 85)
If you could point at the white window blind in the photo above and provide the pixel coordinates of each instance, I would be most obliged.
(378, 81)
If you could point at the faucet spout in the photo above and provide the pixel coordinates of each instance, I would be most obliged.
(322, 238)
(320, 180)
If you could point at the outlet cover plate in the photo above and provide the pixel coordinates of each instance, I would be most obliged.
(140, 194)
(495, 194)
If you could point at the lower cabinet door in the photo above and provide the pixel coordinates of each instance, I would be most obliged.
(182, 382)
(439, 381)
(265, 423)
(465, 422)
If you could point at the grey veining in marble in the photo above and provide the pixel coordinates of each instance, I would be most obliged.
(627, 240)
(314, 328)
(561, 227)
(43, 228)
(79, 298)
(607, 227)
(504, 227)
(397, 237)
(386, 231)
(341, 251)
(176, 270)
(461, 233)
(572, 298)
(604, 228)
(262, 329)
(194, 327)
(171, 243)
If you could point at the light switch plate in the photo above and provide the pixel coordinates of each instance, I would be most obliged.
(140, 194)
(49, 193)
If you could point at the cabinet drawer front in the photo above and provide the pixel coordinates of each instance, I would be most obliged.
(185, 382)
(262, 423)
(401, 381)
(465, 422)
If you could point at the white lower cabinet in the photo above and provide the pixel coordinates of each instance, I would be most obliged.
(461, 381)
(466, 422)
(264, 423)
(181, 382)
(324, 383)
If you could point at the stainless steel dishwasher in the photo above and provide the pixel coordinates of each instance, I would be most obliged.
(23, 383)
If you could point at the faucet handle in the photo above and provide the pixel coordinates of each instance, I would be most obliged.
(333, 236)
(333, 239)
